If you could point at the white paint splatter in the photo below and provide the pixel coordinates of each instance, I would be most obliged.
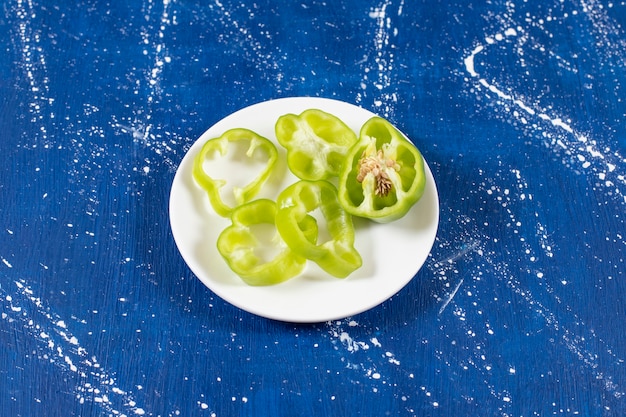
(572, 141)
(576, 340)
(157, 48)
(450, 296)
(360, 356)
(63, 349)
(33, 63)
(383, 61)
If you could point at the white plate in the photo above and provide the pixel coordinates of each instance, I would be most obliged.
(392, 253)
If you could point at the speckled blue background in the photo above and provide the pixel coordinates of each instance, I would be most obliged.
(518, 106)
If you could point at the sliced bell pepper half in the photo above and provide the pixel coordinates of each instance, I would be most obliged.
(257, 145)
(316, 142)
(337, 255)
(384, 174)
(242, 248)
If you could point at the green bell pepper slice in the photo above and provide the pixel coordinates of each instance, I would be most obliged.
(257, 146)
(337, 255)
(384, 174)
(316, 142)
(243, 248)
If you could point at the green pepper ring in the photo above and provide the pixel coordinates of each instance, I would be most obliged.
(383, 175)
(337, 256)
(212, 186)
(237, 244)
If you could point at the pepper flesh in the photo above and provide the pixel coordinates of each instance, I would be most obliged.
(383, 176)
(239, 245)
(213, 186)
(337, 255)
(316, 142)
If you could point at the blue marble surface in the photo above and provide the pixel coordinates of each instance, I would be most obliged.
(518, 106)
